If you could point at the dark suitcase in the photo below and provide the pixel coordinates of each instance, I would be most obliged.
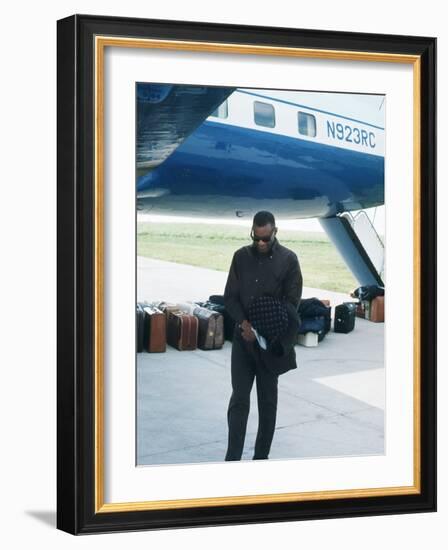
(344, 317)
(210, 328)
(140, 329)
(182, 330)
(216, 303)
(154, 330)
(217, 299)
(229, 323)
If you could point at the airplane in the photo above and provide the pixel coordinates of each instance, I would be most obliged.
(228, 152)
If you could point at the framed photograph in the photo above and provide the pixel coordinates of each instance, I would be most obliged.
(234, 205)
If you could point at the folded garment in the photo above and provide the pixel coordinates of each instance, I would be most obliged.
(269, 317)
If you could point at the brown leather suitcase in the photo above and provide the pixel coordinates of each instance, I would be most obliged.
(155, 330)
(182, 330)
(216, 303)
(210, 328)
(377, 309)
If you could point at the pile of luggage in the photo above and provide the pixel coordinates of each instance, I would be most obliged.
(184, 326)
(206, 325)
(370, 303)
(315, 315)
(315, 321)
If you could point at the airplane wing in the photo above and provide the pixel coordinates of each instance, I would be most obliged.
(167, 114)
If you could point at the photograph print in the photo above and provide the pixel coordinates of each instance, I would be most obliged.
(260, 245)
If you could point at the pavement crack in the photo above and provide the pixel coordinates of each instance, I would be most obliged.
(185, 448)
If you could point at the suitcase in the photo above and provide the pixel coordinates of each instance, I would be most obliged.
(166, 307)
(210, 328)
(140, 329)
(363, 309)
(344, 317)
(228, 322)
(154, 330)
(377, 309)
(182, 330)
(216, 303)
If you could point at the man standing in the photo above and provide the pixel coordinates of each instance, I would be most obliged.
(263, 269)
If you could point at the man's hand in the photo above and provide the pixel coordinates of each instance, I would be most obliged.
(246, 331)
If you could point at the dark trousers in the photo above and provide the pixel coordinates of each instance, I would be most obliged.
(247, 366)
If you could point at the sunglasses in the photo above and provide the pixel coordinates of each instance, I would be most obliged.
(264, 239)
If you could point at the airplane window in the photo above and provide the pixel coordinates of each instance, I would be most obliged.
(222, 111)
(264, 114)
(307, 124)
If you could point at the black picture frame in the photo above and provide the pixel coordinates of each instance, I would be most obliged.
(80, 508)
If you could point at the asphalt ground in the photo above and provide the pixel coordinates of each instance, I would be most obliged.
(332, 405)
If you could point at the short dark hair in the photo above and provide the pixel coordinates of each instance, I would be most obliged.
(262, 218)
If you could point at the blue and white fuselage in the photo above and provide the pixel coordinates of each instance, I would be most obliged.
(268, 150)
(226, 153)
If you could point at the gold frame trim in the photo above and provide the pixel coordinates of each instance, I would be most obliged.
(101, 42)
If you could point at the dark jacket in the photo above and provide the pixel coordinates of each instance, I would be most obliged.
(275, 274)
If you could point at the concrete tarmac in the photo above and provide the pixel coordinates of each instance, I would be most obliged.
(332, 405)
